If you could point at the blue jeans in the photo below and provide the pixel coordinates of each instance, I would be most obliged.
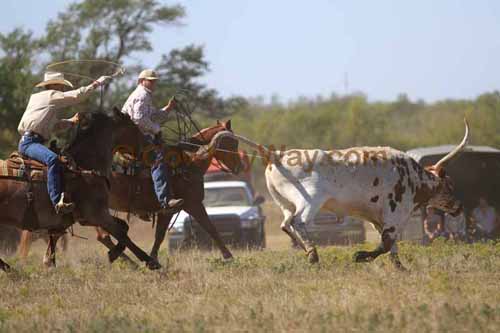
(159, 173)
(32, 147)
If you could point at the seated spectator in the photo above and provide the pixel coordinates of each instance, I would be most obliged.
(485, 219)
(433, 226)
(455, 226)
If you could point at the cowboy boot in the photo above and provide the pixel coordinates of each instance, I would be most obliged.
(64, 207)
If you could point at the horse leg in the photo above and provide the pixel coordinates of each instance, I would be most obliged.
(3, 266)
(63, 242)
(25, 244)
(114, 226)
(49, 260)
(160, 232)
(199, 213)
(105, 239)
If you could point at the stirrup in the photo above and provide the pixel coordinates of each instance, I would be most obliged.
(175, 203)
(172, 206)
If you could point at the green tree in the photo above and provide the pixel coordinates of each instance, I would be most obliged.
(180, 72)
(110, 30)
(16, 81)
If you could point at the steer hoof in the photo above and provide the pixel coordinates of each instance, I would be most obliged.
(312, 256)
(153, 265)
(362, 256)
(397, 264)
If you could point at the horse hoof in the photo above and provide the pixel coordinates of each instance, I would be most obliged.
(362, 256)
(227, 256)
(153, 265)
(49, 263)
(115, 252)
(313, 257)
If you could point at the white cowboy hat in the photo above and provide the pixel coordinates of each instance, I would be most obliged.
(54, 78)
(148, 74)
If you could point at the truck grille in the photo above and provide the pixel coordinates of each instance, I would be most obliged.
(228, 226)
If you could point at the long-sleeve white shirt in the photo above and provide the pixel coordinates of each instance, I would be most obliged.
(43, 110)
(139, 106)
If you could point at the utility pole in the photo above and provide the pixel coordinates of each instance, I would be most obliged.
(346, 83)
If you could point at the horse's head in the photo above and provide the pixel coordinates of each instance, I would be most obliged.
(223, 145)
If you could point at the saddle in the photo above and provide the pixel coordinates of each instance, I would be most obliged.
(127, 163)
(17, 166)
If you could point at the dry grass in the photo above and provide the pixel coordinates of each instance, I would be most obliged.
(448, 288)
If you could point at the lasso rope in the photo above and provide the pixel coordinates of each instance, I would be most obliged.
(119, 71)
(53, 66)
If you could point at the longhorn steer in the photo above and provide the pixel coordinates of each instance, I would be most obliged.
(378, 184)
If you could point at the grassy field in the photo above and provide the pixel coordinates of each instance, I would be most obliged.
(448, 288)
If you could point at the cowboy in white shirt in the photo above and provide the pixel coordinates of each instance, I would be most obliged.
(42, 115)
(139, 106)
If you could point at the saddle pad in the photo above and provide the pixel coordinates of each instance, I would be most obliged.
(6, 170)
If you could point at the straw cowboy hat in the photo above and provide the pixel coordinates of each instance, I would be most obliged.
(148, 74)
(54, 78)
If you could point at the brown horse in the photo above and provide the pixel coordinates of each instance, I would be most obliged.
(88, 187)
(135, 194)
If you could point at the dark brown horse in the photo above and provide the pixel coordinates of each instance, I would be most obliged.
(88, 187)
(135, 194)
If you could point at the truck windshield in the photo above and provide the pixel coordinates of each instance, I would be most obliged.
(226, 196)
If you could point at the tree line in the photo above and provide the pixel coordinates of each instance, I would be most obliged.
(117, 31)
(120, 30)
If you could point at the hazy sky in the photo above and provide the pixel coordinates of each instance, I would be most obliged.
(428, 49)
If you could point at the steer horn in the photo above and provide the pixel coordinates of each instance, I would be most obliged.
(455, 151)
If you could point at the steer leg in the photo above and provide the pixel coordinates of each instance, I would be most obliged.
(388, 241)
(294, 219)
(300, 220)
(395, 257)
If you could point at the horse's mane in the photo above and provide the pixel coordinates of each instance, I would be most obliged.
(95, 123)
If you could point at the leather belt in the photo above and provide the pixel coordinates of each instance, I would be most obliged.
(34, 135)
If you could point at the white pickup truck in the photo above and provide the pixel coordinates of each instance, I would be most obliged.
(235, 212)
